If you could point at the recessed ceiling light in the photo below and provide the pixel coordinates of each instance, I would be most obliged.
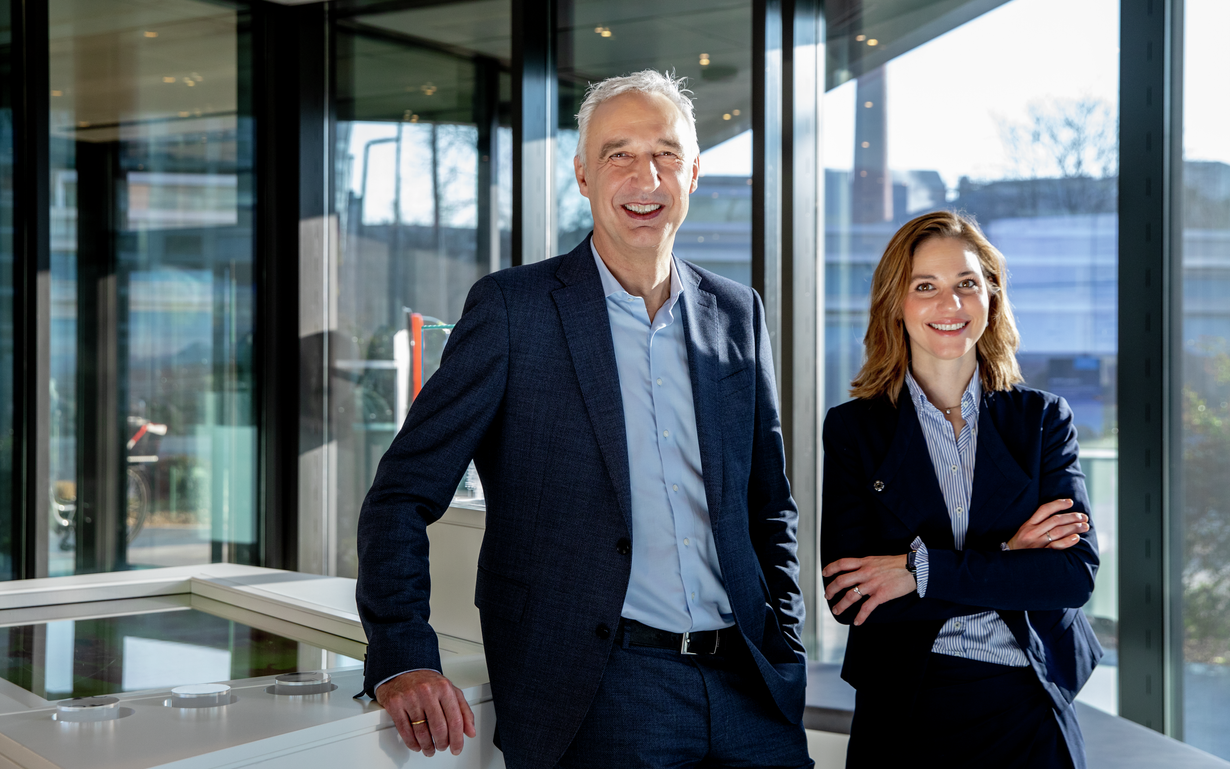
(735, 112)
(149, 33)
(861, 38)
(873, 41)
(168, 79)
(726, 116)
(57, 93)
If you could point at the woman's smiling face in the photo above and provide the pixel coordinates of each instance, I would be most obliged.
(947, 305)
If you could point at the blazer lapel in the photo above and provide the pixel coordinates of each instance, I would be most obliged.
(583, 314)
(998, 479)
(905, 481)
(704, 341)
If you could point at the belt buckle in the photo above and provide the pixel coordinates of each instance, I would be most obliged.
(685, 645)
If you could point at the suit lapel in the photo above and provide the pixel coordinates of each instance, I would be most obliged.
(998, 479)
(704, 340)
(905, 481)
(583, 314)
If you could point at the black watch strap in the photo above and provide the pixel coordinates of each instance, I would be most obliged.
(911, 561)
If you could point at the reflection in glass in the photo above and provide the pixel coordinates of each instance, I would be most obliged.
(152, 435)
(422, 173)
(711, 45)
(1204, 379)
(1031, 151)
(156, 650)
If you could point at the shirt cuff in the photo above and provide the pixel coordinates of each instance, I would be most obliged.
(921, 565)
(402, 673)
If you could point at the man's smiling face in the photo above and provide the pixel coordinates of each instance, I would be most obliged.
(640, 166)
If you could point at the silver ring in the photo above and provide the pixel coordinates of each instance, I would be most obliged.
(860, 592)
(1048, 538)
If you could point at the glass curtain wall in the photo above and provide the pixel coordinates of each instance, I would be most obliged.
(422, 178)
(993, 114)
(152, 434)
(708, 42)
(1202, 520)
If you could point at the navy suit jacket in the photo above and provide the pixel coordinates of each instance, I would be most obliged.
(1026, 456)
(528, 387)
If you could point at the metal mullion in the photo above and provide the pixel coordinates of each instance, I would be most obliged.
(1147, 689)
(534, 115)
(801, 245)
(32, 284)
(767, 168)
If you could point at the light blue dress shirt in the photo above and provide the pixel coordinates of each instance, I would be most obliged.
(676, 583)
(983, 636)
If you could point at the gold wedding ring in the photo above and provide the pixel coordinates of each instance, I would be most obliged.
(416, 723)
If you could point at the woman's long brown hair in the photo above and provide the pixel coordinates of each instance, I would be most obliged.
(887, 346)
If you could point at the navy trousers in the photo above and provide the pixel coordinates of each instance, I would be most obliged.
(972, 714)
(657, 708)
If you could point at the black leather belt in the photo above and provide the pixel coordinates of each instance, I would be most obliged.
(702, 642)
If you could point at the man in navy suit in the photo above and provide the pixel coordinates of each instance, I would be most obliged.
(638, 580)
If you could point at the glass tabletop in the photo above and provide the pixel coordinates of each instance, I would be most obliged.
(150, 650)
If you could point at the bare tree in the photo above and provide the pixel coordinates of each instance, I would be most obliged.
(1074, 142)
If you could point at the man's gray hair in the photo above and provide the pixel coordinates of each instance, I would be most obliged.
(646, 81)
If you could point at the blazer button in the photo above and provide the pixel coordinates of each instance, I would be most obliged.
(878, 485)
(623, 546)
(602, 631)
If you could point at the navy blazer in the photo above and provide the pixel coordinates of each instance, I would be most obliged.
(528, 387)
(880, 491)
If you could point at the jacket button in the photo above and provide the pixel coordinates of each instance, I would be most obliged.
(878, 485)
(623, 546)
(602, 631)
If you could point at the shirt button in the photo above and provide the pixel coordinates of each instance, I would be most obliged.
(960, 510)
(957, 625)
(666, 433)
(623, 546)
(659, 380)
(693, 596)
(954, 468)
(686, 542)
(675, 487)
(602, 631)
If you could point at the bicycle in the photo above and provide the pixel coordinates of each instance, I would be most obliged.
(138, 493)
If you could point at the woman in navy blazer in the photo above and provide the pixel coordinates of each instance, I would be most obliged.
(955, 527)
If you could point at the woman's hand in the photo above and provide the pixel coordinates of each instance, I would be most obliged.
(1048, 527)
(873, 580)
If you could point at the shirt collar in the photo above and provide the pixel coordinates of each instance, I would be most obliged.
(969, 399)
(611, 285)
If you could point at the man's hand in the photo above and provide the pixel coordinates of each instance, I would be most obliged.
(872, 580)
(430, 713)
(1048, 527)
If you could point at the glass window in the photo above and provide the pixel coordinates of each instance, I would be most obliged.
(152, 433)
(1025, 141)
(711, 45)
(1204, 374)
(422, 175)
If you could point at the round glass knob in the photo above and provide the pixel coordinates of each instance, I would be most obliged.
(83, 709)
(200, 695)
(300, 684)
